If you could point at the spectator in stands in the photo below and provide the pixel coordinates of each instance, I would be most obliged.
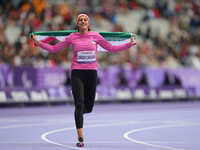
(20, 17)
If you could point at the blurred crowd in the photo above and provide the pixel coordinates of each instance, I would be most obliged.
(180, 47)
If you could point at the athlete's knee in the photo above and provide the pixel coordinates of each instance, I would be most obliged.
(88, 110)
(79, 106)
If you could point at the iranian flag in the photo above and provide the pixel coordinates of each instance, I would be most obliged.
(115, 38)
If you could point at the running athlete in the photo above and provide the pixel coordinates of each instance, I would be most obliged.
(84, 66)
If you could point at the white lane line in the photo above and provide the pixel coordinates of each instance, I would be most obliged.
(30, 125)
(165, 142)
(45, 135)
(126, 135)
(58, 122)
(52, 123)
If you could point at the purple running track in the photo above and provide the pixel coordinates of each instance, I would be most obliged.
(132, 126)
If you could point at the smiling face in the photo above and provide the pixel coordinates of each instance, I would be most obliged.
(83, 22)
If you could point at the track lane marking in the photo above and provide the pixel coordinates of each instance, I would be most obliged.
(126, 135)
(46, 134)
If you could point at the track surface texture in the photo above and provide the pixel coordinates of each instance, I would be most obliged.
(131, 126)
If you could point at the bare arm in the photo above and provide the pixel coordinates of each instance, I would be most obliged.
(51, 48)
(113, 48)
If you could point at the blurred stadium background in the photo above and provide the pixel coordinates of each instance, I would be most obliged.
(164, 66)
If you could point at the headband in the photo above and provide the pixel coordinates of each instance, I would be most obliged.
(81, 16)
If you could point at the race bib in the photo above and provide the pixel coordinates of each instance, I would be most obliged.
(86, 56)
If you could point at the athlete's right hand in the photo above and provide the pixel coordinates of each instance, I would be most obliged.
(33, 37)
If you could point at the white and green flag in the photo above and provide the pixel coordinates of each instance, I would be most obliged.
(115, 38)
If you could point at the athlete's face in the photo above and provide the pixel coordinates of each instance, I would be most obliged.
(83, 22)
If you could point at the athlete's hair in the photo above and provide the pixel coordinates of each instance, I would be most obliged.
(76, 27)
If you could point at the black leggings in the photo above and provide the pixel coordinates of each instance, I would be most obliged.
(84, 90)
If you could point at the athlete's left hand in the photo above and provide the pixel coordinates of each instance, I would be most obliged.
(132, 38)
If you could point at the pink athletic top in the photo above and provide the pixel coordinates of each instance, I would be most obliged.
(84, 48)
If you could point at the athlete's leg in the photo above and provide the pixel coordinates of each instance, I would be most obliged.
(90, 91)
(78, 94)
